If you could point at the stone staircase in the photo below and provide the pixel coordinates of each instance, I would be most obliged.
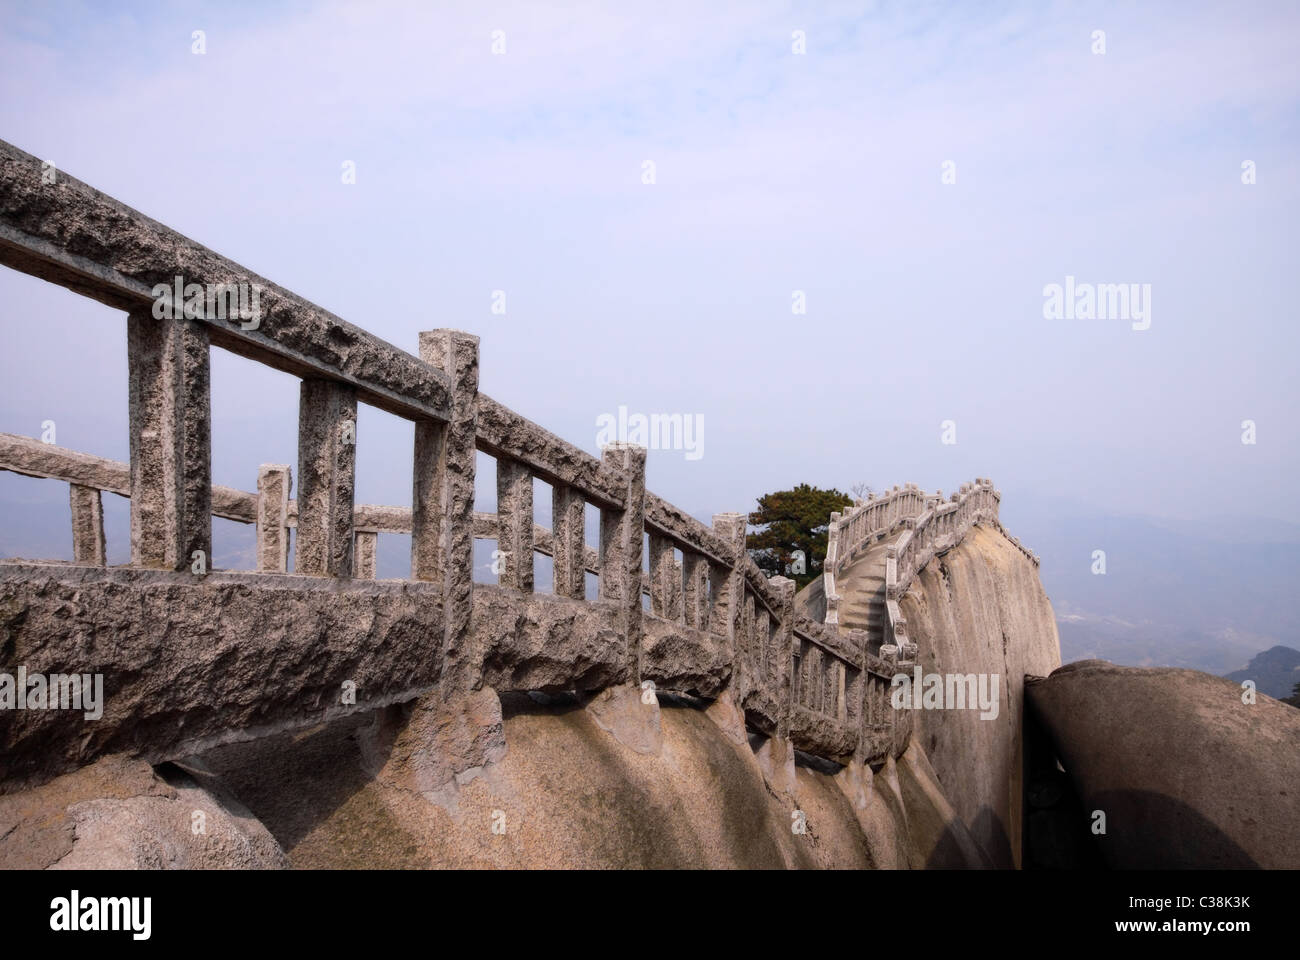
(862, 587)
(875, 548)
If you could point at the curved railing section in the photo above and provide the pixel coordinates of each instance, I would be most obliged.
(855, 530)
(937, 529)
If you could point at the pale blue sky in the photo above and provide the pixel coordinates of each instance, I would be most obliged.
(775, 172)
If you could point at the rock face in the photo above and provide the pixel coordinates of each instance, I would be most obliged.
(575, 787)
(121, 814)
(980, 609)
(1187, 775)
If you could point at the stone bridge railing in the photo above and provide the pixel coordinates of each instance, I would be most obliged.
(192, 656)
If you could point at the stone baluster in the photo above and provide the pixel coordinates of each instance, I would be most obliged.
(726, 584)
(695, 590)
(622, 535)
(274, 483)
(327, 460)
(365, 554)
(782, 644)
(170, 441)
(87, 525)
(568, 535)
(665, 579)
(442, 502)
(515, 524)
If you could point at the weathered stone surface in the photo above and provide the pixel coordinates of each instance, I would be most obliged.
(780, 645)
(118, 813)
(730, 719)
(77, 237)
(188, 660)
(505, 434)
(821, 735)
(33, 458)
(695, 590)
(87, 525)
(436, 744)
(568, 544)
(622, 549)
(666, 520)
(880, 814)
(980, 609)
(939, 838)
(327, 463)
(677, 657)
(565, 795)
(1186, 774)
(170, 439)
(515, 525)
(665, 579)
(726, 583)
(776, 761)
(444, 550)
(831, 640)
(631, 716)
(548, 643)
(274, 482)
(762, 709)
(365, 555)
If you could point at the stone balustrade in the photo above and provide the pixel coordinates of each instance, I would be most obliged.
(695, 617)
(937, 529)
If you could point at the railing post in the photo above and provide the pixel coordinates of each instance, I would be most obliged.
(856, 692)
(442, 506)
(695, 586)
(622, 535)
(727, 583)
(327, 459)
(515, 526)
(366, 560)
(568, 537)
(783, 646)
(87, 524)
(170, 440)
(745, 636)
(274, 481)
(665, 579)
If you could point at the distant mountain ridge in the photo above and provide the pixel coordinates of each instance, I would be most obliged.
(1276, 671)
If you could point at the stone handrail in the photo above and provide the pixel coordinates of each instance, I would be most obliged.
(937, 529)
(82, 471)
(714, 627)
(866, 522)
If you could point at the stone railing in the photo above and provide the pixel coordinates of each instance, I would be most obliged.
(937, 529)
(270, 509)
(856, 529)
(840, 691)
(240, 654)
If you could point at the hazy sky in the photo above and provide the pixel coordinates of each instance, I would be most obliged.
(774, 172)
